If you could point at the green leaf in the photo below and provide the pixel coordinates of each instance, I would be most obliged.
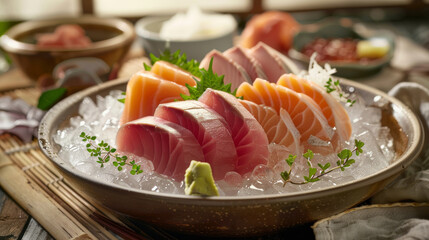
(147, 67)
(311, 172)
(50, 97)
(115, 163)
(309, 154)
(119, 168)
(290, 160)
(285, 175)
(82, 134)
(313, 179)
(344, 154)
(133, 172)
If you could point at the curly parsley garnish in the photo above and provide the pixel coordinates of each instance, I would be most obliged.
(344, 160)
(104, 152)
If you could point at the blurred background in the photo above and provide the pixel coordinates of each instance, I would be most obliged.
(405, 18)
(410, 17)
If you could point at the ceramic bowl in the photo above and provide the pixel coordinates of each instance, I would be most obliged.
(111, 40)
(235, 216)
(343, 29)
(148, 29)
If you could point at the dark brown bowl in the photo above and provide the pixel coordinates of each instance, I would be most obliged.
(235, 216)
(111, 40)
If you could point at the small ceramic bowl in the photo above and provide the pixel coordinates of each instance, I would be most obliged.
(111, 40)
(331, 29)
(148, 30)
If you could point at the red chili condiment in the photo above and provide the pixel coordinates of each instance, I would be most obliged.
(337, 49)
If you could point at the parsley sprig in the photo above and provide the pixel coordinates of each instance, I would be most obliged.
(208, 79)
(344, 160)
(332, 86)
(180, 60)
(104, 152)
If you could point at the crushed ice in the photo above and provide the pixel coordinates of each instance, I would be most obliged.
(101, 119)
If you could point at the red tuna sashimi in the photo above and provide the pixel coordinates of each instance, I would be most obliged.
(169, 146)
(249, 63)
(249, 137)
(273, 63)
(209, 128)
(332, 109)
(233, 73)
(278, 128)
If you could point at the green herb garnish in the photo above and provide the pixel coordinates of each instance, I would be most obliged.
(50, 97)
(122, 100)
(177, 59)
(344, 160)
(104, 152)
(208, 79)
(332, 86)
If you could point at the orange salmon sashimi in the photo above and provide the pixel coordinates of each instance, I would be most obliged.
(145, 91)
(304, 112)
(279, 128)
(171, 72)
(331, 108)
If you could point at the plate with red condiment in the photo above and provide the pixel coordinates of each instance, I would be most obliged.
(352, 49)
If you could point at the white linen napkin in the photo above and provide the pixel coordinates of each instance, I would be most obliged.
(392, 221)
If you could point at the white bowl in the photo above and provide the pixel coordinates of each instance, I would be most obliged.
(148, 29)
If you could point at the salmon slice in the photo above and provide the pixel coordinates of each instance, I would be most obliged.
(209, 128)
(278, 128)
(171, 72)
(169, 146)
(249, 137)
(334, 112)
(270, 60)
(249, 63)
(145, 91)
(233, 73)
(304, 112)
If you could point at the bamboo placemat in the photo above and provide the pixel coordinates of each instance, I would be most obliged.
(35, 184)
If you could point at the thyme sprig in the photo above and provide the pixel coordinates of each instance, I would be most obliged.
(332, 86)
(104, 152)
(344, 160)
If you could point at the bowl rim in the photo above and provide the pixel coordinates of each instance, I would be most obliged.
(146, 34)
(414, 149)
(10, 44)
(357, 27)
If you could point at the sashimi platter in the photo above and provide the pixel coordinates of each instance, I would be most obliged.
(238, 144)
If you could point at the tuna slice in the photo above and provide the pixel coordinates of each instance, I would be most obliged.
(169, 146)
(332, 109)
(249, 137)
(278, 128)
(171, 72)
(304, 112)
(233, 73)
(209, 128)
(145, 91)
(273, 63)
(250, 65)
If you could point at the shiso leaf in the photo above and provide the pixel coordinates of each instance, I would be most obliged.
(50, 97)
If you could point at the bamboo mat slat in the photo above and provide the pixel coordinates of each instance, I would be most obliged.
(34, 182)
